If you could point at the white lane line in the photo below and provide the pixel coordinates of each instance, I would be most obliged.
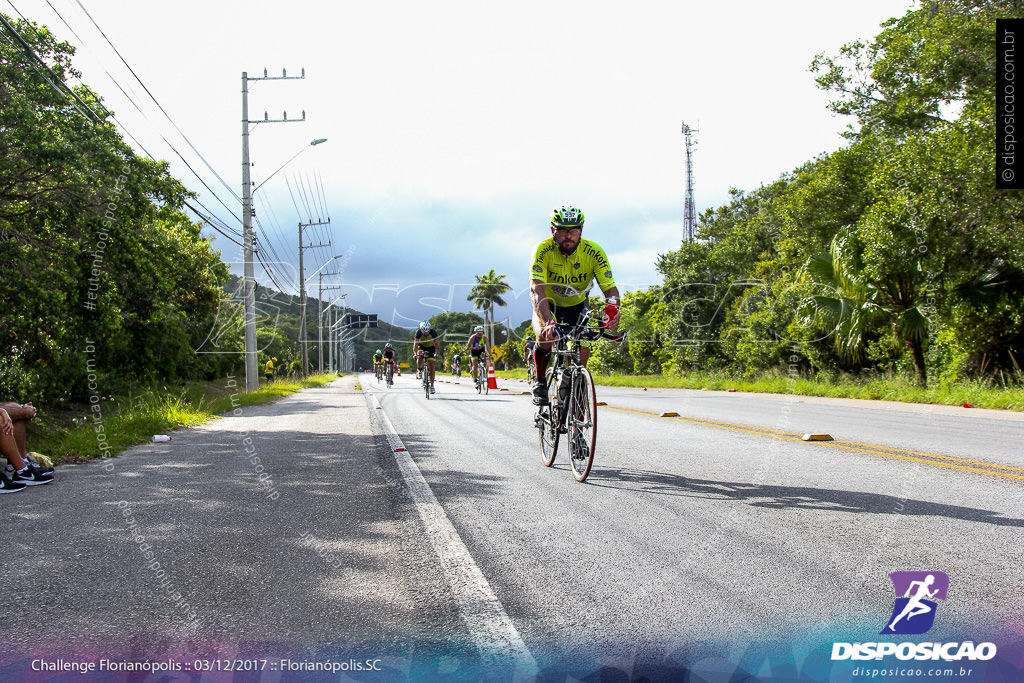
(489, 625)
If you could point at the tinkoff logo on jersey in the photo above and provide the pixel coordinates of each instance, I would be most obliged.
(913, 614)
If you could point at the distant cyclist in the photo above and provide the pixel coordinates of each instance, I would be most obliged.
(528, 348)
(564, 266)
(477, 345)
(426, 344)
(457, 365)
(378, 363)
(389, 357)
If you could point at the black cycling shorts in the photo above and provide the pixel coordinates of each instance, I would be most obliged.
(476, 352)
(569, 315)
(429, 352)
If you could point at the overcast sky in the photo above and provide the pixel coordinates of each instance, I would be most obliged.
(454, 128)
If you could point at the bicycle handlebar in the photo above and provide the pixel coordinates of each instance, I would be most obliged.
(586, 333)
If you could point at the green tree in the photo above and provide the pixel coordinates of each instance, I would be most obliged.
(859, 303)
(102, 274)
(486, 294)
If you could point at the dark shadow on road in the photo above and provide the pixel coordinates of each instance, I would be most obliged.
(224, 536)
(787, 497)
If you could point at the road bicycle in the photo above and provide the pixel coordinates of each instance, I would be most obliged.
(457, 369)
(572, 408)
(389, 373)
(481, 375)
(531, 369)
(377, 372)
(425, 374)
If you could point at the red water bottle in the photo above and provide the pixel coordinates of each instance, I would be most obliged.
(610, 311)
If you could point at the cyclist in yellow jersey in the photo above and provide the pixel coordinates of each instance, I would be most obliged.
(564, 266)
(426, 344)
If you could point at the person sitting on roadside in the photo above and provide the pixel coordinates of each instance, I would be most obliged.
(13, 417)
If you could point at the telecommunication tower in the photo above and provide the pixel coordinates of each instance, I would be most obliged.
(689, 210)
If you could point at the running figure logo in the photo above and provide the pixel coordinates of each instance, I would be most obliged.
(914, 613)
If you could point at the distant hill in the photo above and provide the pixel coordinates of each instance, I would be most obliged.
(280, 306)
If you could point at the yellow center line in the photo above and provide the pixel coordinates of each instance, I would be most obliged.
(836, 444)
(934, 455)
(870, 449)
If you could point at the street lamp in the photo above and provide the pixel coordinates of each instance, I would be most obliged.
(248, 276)
(320, 312)
(313, 143)
(331, 329)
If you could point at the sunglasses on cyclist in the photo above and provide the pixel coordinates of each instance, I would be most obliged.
(571, 231)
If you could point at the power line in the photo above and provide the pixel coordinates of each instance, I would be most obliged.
(140, 110)
(35, 61)
(185, 137)
(210, 223)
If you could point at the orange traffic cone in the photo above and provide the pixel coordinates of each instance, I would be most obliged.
(492, 381)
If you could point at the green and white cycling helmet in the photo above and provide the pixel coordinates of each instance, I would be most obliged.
(378, 350)
(567, 216)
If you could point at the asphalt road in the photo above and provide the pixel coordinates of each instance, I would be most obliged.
(279, 531)
(695, 540)
(711, 540)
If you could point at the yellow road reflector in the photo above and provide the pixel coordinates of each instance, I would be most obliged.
(527, 393)
(599, 403)
(817, 437)
(668, 415)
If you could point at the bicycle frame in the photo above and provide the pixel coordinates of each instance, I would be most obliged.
(575, 414)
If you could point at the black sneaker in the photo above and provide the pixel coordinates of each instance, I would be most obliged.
(8, 486)
(9, 470)
(540, 395)
(31, 477)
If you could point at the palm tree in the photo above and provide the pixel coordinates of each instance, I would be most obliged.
(486, 294)
(860, 304)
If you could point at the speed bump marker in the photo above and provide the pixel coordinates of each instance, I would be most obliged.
(668, 415)
(817, 437)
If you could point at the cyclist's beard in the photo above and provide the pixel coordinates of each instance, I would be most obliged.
(567, 251)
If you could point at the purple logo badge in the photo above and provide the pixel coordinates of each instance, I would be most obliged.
(914, 612)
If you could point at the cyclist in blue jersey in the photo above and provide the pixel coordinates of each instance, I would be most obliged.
(477, 345)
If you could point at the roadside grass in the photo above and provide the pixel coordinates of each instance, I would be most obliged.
(977, 394)
(73, 435)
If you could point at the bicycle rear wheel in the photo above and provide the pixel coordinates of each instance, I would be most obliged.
(547, 425)
(582, 423)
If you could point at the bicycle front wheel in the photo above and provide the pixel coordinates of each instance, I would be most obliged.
(483, 375)
(582, 424)
(547, 425)
(477, 377)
